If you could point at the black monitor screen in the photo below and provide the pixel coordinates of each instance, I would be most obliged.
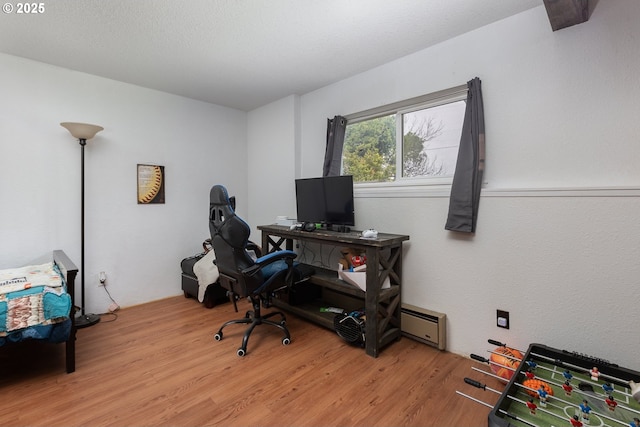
(326, 200)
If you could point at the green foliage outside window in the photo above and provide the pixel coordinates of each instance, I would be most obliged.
(369, 152)
(429, 144)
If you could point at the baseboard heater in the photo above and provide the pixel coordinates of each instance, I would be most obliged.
(424, 325)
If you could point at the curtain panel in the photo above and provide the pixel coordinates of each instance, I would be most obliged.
(467, 179)
(335, 140)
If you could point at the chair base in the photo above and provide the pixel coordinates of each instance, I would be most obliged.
(255, 318)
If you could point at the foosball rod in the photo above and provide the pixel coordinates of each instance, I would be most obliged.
(508, 357)
(595, 395)
(515, 399)
(474, 399)
(485, 360)
(498, 343)
(490, 374)
(484, 387)
(554, 397)
(501, 344)
(560, 363)
(502, 411)
(514, 417)
(478, 384)
(482, 359)
(557, 362)
(574, 405)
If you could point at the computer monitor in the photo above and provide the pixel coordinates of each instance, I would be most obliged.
(326, 200)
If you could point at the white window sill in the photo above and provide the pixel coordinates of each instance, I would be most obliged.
(420, 190)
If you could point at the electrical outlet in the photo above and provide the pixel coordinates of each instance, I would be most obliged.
(502, 319)
(102, 278)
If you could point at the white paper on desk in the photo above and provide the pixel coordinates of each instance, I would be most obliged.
(359, 277)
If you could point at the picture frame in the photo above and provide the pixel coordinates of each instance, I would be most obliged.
(151, 183)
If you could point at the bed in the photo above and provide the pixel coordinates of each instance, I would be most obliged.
(37, 303)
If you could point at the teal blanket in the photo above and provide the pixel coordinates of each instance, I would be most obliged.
(32, 295)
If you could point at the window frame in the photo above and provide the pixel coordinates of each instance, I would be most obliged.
(401, 185)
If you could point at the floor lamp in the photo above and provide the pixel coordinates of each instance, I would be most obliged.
(83, 132)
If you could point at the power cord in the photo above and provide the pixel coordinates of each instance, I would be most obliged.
(113, 307)
(114, 318)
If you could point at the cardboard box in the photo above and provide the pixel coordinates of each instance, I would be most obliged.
(358, 277)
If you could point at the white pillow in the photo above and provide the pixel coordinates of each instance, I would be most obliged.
(205, 270)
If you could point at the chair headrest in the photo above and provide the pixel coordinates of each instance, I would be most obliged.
(218, 196)
(223, 221)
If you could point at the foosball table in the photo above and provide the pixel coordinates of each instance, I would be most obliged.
(550, 387)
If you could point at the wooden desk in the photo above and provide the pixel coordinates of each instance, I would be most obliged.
(384, 260)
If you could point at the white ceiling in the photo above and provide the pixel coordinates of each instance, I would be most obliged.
(239, 53)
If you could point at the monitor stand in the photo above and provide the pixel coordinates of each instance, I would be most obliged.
(338, 228)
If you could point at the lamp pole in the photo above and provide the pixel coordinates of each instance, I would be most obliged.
(83, 132)
(82, 142)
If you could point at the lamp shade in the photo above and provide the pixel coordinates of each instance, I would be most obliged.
(82, 130)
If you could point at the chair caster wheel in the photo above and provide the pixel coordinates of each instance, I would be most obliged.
(286, 341)
(218, 336)
(241, 352)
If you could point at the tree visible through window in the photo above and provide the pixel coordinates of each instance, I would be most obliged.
(421, 142)
(369, 152)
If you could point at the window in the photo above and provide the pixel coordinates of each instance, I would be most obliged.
(414, 140)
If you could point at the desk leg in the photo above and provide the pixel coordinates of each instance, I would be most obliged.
(269, 245)
(371, 302)
(383, 318)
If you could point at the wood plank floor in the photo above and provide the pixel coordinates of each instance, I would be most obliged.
(158, 365)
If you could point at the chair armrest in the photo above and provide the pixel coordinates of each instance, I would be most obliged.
(269, 259)
(275, 256)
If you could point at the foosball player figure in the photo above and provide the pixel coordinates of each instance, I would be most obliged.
(531, 364)
(532, 406)
(635, 390)
(575, 421)
(595, 374)
(567, 375)
(567, 388)
(585, 408)
(611, 403)
(635, 423)
(607, 388)
(542, 394)
(530, 375)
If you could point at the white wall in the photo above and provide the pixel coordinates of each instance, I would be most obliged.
(273, 141)
(561, 110)
(138, 246)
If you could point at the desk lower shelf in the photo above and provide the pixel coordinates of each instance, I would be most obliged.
(333, 292)
(329, 279)
(310, 311)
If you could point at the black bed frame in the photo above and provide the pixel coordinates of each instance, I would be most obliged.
(69, 271)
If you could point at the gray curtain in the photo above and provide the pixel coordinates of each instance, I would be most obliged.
(467, 180)
(335, 140)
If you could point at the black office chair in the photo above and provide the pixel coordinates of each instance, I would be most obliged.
(241, 274)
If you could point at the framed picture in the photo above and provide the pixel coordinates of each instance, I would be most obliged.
(150, 184)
